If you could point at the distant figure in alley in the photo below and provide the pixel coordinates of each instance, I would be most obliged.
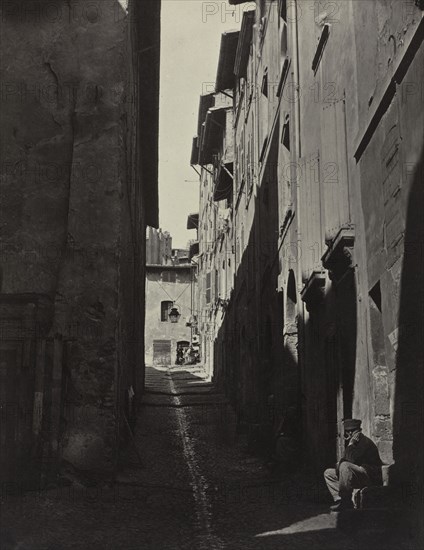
(359, 467)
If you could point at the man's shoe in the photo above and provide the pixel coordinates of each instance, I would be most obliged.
(341, 505)
(334, 507)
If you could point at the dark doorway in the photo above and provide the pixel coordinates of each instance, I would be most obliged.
(15, 412)
(21, 357)
(346, 327)
(340, 357)
(182, 347)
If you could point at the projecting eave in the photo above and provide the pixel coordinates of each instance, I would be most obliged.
(205, 155)
(224, 182)
(193, 221)
(194, 158)
(213, 131)
(225, 75)
(243, 45)
(194, 249)
(206, 102)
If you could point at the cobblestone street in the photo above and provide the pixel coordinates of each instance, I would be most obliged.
(211, 275)
(197, 488)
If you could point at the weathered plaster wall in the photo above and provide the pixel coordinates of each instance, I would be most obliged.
(366, 43)
(158, 290)
(331, 344)
(72, 207)
(393, 161)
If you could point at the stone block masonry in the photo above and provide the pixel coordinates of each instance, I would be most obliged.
(74, 199)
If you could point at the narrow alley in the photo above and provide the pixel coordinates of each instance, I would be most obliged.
(197, 487)
(211, 274)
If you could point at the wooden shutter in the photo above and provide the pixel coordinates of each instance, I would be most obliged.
(208, 287)
(391, 169)
(216, 284)
(334, 168)
(165, 307)
(311, 226)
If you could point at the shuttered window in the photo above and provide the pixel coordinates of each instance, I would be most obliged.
(208, 288)
(391, 169)
(169, 276)
(311, 216)
(216, 284)
(165, 308)
(334, 169)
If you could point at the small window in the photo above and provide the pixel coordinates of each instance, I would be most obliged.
(263, 150)
(216, 284)
(264, 88)
(375, 294)
(320, 48)
(208, 288)
(285, 134)
(169, 276)
(165, 308)
(283, 76)
(291, 299)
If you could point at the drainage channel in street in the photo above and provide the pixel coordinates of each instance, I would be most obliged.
(208, 540)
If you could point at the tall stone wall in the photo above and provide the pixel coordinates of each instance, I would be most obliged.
(390, 153)
(72, 209)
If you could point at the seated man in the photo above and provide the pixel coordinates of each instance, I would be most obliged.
(359, 467)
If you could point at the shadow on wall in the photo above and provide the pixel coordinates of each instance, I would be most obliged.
(328, 361)
(60, 217)
(408, 422)
(248, 346)
(256, 353)
(260, 369)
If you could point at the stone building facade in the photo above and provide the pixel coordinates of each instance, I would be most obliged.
(171, 291)
(158, 246)
(324, 315)
(79, 125)
(167, 287)
(213, 151)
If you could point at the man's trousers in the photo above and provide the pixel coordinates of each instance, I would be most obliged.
(350, 477)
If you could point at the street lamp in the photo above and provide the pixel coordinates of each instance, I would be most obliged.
(174, 315)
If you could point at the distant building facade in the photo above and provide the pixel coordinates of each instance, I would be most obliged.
(213, 253)
(171, 285)
(158, 246)
(79, 155)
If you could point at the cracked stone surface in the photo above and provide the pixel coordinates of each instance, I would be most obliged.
(196, 488)
(69, 222)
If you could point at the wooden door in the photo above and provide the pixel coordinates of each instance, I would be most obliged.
(16, 406)
(161, 352)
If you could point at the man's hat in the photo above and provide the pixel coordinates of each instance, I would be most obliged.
(352, 424)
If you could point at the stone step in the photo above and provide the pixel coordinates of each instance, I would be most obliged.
(370, 520)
